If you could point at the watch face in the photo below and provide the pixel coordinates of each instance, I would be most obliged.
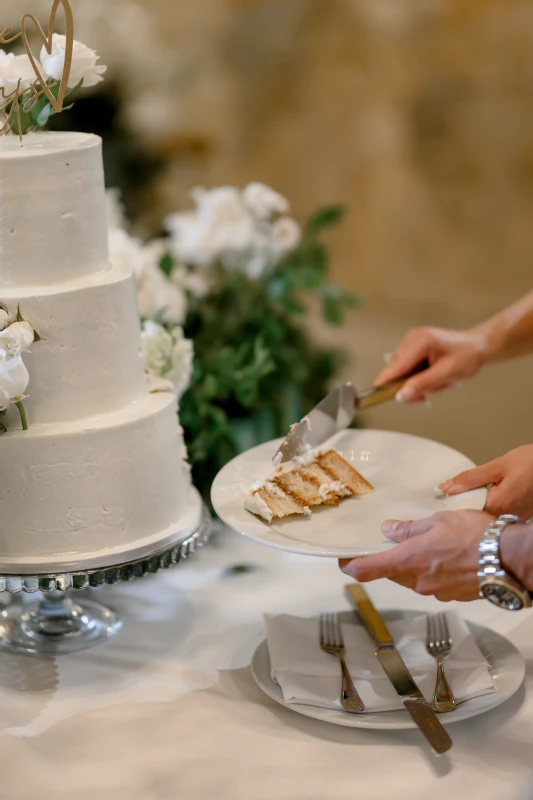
(502, 596)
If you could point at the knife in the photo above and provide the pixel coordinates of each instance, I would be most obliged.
(397, 672)
(335, 413)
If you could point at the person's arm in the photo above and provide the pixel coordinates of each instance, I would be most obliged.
(457, 355)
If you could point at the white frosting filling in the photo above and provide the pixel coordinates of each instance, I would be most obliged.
(326, 490)
(256, 504)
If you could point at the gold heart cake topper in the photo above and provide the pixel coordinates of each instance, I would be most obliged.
(21, 101)
(57, 104)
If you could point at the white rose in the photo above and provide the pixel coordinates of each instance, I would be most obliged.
(14, 69)
(158, 297)
(286, 235)
(14, 379)
(84, 66)
(222, 228)
(4, 319)
(17, 338)
(195, 281)
(168, 357)
(263, 202)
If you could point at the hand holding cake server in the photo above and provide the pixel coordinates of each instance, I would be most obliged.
(451, 554)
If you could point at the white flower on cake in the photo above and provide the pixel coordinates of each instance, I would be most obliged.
(168, 358)
(84, 63)
(15, 339)
(15, 72)
(14, 379)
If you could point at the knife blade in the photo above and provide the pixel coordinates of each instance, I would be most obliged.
(398, 674)
(335, 413)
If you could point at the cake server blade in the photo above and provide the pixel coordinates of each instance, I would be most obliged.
(335, 413)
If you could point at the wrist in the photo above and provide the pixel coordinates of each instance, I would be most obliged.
(516, 552)
(491, 340)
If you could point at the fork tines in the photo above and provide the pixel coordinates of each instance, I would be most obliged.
(330, 631)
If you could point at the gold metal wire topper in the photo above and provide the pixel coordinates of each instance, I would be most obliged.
(16, 105)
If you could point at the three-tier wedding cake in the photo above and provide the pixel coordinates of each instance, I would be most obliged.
(101, 471)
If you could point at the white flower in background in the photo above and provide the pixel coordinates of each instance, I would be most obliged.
(196, 282)
(157, 296)
(14, 379)
(14, 69)
(84, 63)
(4, 319)
(16, 338)
(168, 358)
(115, 209)
(263, 202)
(221, 227)
(286, 235)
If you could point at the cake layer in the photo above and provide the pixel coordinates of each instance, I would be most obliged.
(85, 487)
(89, 361)
(52, 208)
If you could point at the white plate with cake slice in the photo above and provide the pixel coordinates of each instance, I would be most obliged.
(403, 471)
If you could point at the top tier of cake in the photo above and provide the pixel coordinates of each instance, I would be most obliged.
(52, 218)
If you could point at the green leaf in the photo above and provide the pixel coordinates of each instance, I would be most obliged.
(325, 218)
(36, 337)
(19, 315)
(44, 115)
(167, 264)
(332, 311)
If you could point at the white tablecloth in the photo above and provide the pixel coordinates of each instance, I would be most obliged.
(169, 709)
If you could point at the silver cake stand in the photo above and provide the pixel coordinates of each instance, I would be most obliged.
(58, 623)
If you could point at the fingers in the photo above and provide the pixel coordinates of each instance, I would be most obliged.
(398, 531)
(437, 377)
(411, 352)
(473, 478)
(371, 568)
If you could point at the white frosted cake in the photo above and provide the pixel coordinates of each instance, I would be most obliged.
(101, 469)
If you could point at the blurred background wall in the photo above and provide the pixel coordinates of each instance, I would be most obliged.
(417, 114)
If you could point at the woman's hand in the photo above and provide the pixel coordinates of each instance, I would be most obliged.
(453, 356)
(435, 556)
(511, 477)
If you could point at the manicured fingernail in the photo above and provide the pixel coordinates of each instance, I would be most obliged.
(389, 526)
(405, 395)
(445, 486)
(348, 569)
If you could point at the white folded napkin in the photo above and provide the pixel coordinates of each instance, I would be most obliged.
(308, 676)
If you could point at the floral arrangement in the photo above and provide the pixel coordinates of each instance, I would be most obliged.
(232, 279)
(16, 337)
(24, 104)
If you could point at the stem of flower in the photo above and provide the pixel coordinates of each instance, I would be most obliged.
(23, 418)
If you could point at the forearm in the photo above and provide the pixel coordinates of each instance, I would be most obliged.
(509, 333)
(516, 553)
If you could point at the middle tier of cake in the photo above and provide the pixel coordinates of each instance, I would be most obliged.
(89, 359)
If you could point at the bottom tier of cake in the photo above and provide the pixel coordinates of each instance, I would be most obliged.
(93, 486)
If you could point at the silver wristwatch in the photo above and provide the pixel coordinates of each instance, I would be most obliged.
(495, 583)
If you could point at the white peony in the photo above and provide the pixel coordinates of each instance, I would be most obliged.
(4, 319)
(286, 235)
(168, 357)
(220, 228)
(16, 338)
(14, 69)
(14, 379)
(115, 209)
(157, 296)
(263, 202)
(84, 66)
(197, 282)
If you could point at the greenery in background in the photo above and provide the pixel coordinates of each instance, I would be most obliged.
(257, 369)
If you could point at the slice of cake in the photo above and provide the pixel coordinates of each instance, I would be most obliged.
(324, 480)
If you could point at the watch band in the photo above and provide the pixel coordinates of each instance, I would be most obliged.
(489, 548)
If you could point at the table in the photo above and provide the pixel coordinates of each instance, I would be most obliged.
(169, 709)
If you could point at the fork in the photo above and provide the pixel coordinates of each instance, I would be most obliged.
(439, 645)
(332, 642)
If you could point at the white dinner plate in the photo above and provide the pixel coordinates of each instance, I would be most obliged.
(403, 469)
(506, 664)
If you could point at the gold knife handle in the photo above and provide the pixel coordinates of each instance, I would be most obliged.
(372, 620)
(388, 391)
